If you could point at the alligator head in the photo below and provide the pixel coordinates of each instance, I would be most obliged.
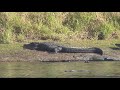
(31, 46)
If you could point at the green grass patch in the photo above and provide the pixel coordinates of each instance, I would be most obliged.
(10, 48)
(92, 43)
(58, 26)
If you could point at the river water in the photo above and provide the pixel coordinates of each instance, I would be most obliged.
(98, 69)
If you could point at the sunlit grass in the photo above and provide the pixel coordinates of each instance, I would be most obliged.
(10, 48)
(58, 26)
(93, 43)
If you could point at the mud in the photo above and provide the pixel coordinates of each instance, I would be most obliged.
(33, 55)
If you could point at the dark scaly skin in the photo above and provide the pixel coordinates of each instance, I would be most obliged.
(53, 47)
(82, 50)
(31, 46)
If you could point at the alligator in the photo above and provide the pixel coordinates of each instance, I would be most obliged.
(118, 45)
(56, 48)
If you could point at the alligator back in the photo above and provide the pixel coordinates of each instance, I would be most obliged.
(44, 46)
(48, 46)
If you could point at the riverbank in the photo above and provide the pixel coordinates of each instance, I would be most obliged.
(15, 52)
(31, 56)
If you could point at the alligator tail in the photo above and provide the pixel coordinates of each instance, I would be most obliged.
(82, 50)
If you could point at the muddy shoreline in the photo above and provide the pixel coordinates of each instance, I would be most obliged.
(33, 55)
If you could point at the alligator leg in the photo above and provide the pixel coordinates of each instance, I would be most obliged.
(57, 49)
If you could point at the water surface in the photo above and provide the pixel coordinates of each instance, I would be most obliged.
(60, 69)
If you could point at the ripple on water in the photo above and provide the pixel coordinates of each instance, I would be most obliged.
(60, 69)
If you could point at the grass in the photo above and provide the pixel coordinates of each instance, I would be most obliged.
(58, 26)
(77, 29)
(93, 43)
(10, 48)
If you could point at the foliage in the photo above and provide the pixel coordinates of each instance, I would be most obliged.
(60, 26)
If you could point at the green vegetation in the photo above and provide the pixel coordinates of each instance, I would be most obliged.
(58, 26)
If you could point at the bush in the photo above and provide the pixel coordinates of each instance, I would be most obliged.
(21, 26)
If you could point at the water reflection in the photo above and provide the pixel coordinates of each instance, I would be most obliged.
(59, 69)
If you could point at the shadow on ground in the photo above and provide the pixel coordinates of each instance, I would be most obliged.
(114, 48)
(118, 45)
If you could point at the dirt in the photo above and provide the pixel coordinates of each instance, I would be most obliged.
(33, 55)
